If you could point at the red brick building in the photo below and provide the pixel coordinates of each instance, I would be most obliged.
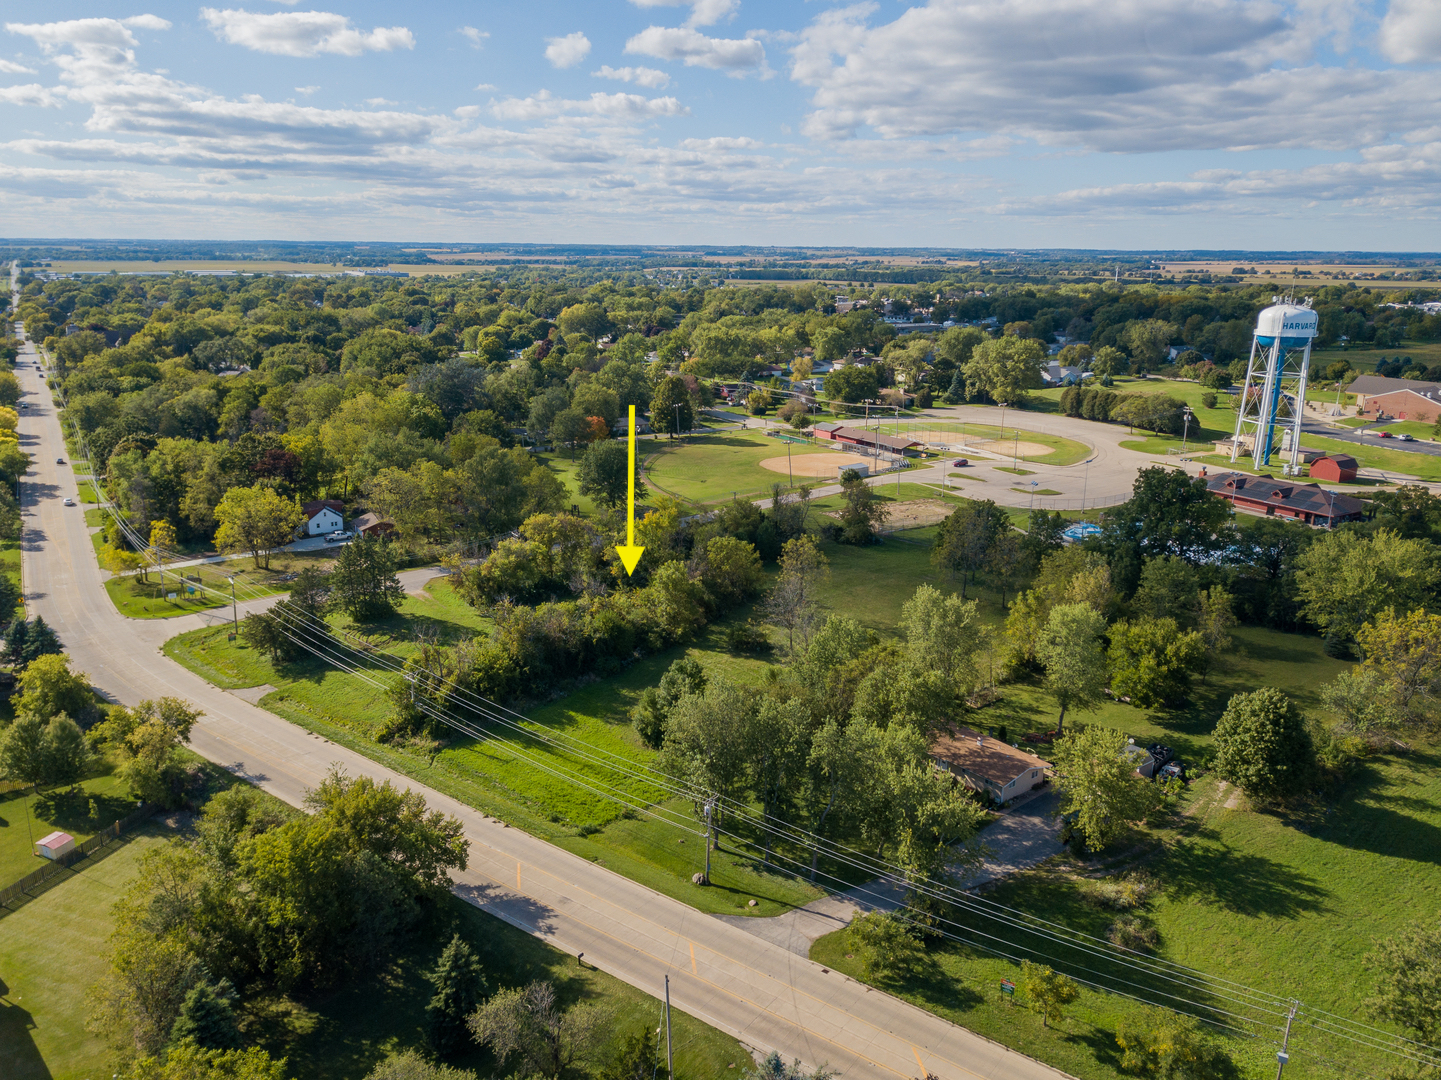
(1308, 503)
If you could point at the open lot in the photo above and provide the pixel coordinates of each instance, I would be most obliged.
(82, 811)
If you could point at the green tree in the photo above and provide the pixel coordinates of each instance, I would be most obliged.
(1346, 579)
(1005, 368)
(1168, 588)
(1408, 989)
(708, 745)
(1110, 361)
(207, 1018)
(410, 1065)
(863, 513)
(364, 583)
(1101, 794)
(47, 687)
(884, 944)
(188, 1061)
(854, 382)
(794, 602)
(1149, 341)
(22, 750)
(528, 1024)
(1164, 1045)
(944, 634)
(1263, 745)
(732, 570)
(967, 537)
(150, 978)
(652, 713)
(1152, 660)
(1046, 992)
(1168, 513)
(459, 987)
(637, 1057)
(148, 739)
(1074, 658)
(256, 520)
(64, 753)
(1406, 652)
(1215, 619)
(27, 641)
(603, 473)
(774, 1067)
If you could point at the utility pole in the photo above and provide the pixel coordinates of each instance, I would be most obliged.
(234, 609)
(709, 835)
(1282, 1057)
(1186, 415)
(669, 1059)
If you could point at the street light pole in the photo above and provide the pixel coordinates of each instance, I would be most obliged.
(677, 419)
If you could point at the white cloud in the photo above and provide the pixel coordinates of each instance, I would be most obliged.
(30, 94)
(734, 55)
(10, 68)
(722, 142)
(651, 78)
(702, 12)
(92, 34)
(1109, 75)
(1411, 32)
(487, 86)
(615, 106)
(302, 33)
(476, 37)
(306, 90)
(380, 101)
(565, 52)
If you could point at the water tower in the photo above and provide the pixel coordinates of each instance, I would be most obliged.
(1274, 393)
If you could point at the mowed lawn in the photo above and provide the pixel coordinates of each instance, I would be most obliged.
(25, 817)
(713, 468)
(146, 598)
(52, 950)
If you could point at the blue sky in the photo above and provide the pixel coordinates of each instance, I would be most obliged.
(1027, 123)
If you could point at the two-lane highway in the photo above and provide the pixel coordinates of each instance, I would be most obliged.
(755, 990)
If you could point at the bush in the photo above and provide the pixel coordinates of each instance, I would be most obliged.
(1131, 932)
(1208, 401)
(1264, 746)
(1125, 893)
(747, 638)
(884, 944)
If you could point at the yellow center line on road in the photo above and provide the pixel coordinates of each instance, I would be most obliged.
(693, 969)
(755, 971)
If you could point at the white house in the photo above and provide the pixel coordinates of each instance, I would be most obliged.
(323, 516)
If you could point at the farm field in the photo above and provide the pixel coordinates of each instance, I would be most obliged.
(337, 1035)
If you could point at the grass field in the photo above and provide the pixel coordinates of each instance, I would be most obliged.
(10, 566)
(146, 599)
(712, 469)
(53, 949)
(869, 583)
(26, 817)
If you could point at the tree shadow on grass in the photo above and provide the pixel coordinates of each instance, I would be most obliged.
(1203, 867)
(1375, 816)
(70, 811)
(20, 1056)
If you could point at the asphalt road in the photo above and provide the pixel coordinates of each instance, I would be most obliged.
(1353, 435)
(754, 989)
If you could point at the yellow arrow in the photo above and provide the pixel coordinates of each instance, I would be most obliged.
(629, 553)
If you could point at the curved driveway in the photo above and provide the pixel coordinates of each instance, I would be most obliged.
(753, 989)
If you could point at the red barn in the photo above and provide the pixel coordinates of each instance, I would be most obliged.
(1335, 468)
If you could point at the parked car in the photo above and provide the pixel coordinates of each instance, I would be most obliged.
(1405, 438)
(960, 463)
(339, 536)
(60, 461)
(24, 405)
(1384, 435)
(69, 501)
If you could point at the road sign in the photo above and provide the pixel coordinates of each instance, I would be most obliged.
(1007, 987)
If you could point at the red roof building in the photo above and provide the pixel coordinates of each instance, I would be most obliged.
(870, 440)
(1308, 503)
(1334, 468)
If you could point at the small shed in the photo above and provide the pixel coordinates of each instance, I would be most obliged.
(1337, 468)
(55, 845)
